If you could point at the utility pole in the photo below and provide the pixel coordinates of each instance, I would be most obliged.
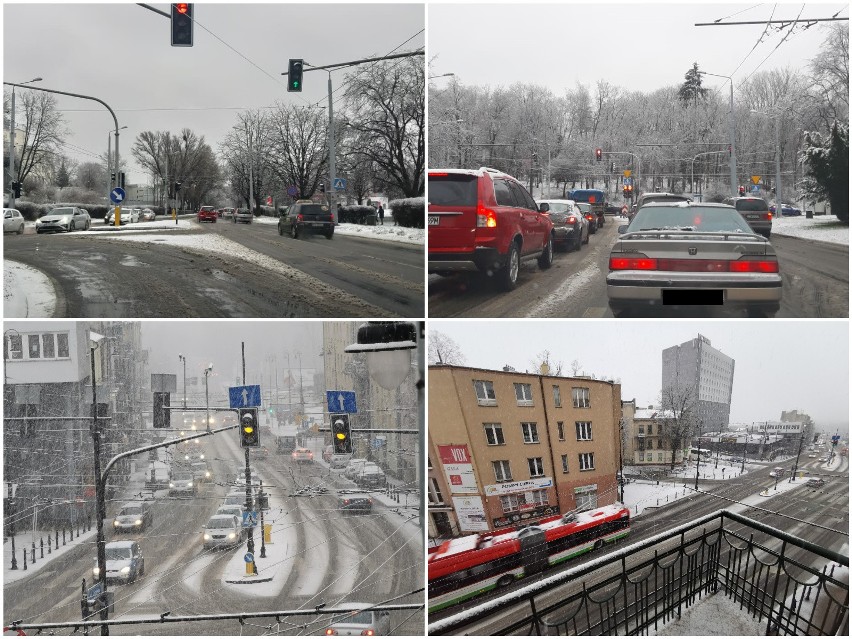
(796, 465)
(100, 485)
(250, 546)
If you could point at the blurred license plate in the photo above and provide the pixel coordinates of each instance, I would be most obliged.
(754, 216)
(434, 220)
(687, 297)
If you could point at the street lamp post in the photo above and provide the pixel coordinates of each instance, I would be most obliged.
(698, 460)
(206, 393)
(110, 183)
(99, 483)
(732, 130)
(183, 359)
(777, 118)
(12, 143)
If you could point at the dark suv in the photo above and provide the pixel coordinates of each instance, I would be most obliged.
(306, 216)
(486, 221)
(756, 212)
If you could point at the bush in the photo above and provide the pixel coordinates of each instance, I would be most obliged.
(409, 212)
(355, 214)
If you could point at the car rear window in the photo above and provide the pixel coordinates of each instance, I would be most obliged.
(664, 198)
(588, 195)
(313, 209)
(752, 205)
(559, 207)
(452, 190)
(688, 218)
(62, 211)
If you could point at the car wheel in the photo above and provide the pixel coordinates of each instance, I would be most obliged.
(294, 232)
(72, 226)
(546, 259)
(21, 230)
(505, 580)
(587, 237)
(88, 225)
(329, 234)
(509, 273)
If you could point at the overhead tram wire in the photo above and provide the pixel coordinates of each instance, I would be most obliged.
(783, 40)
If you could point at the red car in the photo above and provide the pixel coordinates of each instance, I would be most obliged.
(484, 220)
(207, 214)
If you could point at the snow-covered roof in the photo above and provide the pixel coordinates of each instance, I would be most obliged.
(652, 413)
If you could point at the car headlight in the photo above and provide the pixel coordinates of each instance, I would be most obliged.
(138, 522)
(125, 570)
(171, 485)
(206, 536)
(116, 523)
(96, 570)
(207, 474)
(201, 456)
(189, 484)
(232, 536)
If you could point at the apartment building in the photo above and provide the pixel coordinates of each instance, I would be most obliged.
(508, 447)
(645, 439)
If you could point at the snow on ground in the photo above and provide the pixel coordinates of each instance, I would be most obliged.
(823, 228)
(712, 616)
(387, 231)
(27, 537)
(575, 282)
(641, 495)
(27, 292)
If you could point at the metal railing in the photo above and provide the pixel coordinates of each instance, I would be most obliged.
(786, 583)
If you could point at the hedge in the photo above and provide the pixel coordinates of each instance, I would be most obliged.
(357, 214)
(409, 212)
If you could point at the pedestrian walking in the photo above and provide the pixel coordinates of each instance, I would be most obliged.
(381, 214)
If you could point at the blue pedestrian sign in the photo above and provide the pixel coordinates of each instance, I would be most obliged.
(117, 195)
(249, 519)
(340, 401)
(755, 188)
(339, 184)
(93, 593)
(249, 558)
(244, 396)
(292, 191)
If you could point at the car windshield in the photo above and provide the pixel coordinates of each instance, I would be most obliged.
(113, 554)
(62, 211)
(131, 510)
(452, 190)
(221, 522)
(364, 618)
(679, 218)
(559, 207)
(752, 205)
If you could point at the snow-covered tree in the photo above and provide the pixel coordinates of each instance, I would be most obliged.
(826, 164)
(443, 349)
(679, 416)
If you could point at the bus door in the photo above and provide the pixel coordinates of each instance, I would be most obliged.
(534, 556)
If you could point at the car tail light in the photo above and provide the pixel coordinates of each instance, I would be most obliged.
(769, 216)
(635, 263)
(749, 265)
(369, 632)
(485, 217)
(300, 217)
(330, 631)
(571, 219)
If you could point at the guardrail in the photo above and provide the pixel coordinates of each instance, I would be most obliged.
(788, 584)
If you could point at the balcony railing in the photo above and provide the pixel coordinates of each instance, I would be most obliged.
(790, 585)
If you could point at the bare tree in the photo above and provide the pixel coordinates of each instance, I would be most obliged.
(575, 367)
(543, 359)
(92, 176)
(250, 145)
(443, 349)
(386, 107)
(43, 130)
(679, 410)
(830, 70)
(299, 137)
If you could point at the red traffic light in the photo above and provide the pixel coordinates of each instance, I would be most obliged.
(182, 7)
(598, 154)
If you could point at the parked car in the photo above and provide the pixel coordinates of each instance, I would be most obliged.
(206, 214)
(690, 254)
(483, 220)
(787, 210)
(570, 226)
(134, 515)
(13, 221)
(354, 502)
(148, 215)
(591, 216)
(306, 216)
(64, 218)
(222, 531)
(755, 212)
(242, 215)
(182, 482)
(370, 475)
(353, 467)
(303, 455)
(124, 562)
(339, 461)
(360, 622)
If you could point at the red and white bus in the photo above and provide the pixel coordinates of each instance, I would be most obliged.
(463, 568)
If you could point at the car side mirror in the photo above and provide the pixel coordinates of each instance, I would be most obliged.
(622, 229)
(544, 207)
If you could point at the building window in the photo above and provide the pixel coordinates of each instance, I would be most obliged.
(586, 497)
(435, 496)
(560, 431)
(536, 467)
(39, 346)
(659, 457)
(557, 397)
(494, 434)
(564, 463)
(523, 501)
(523, 393)
(587, 461)
(34, 343)
(530, 432)
(502, 471)
(581, 397)
(484, 393)
(584, 431)
(641, 430)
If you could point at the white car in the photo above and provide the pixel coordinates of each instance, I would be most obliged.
(360, 622)
(64, 218)
(148, 215)
(129, 215)
(13, 221)
(222, 531)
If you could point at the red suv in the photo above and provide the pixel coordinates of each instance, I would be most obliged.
(207, 213)
(484, 220)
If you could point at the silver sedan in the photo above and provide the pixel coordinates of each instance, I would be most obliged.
(692, 255)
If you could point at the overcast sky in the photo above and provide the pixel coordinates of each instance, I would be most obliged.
(636, 46)
(121, 54)
(780, 365)
(218, 342)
